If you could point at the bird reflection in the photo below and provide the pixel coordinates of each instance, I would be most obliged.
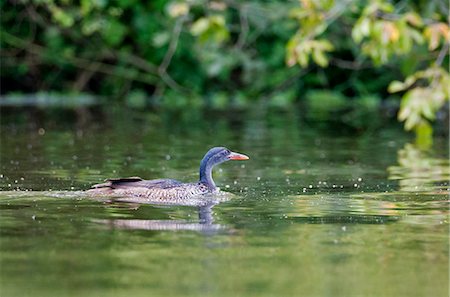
(204, 224)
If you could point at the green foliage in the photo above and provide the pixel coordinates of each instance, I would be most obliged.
(383, 32)
(210, 29)
(427, 92)
(180, 54)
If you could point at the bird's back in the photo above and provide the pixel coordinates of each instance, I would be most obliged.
(152, 190)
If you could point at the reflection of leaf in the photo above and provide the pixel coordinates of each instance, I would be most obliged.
(419, 171)
(322, 104)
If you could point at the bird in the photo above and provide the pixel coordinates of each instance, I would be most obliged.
(168, 190)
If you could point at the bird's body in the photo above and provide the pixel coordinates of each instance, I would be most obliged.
(154, 190)
(168, 190)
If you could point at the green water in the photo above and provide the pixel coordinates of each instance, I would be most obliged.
(318, 211)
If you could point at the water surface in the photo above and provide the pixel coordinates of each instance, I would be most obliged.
(317, 211)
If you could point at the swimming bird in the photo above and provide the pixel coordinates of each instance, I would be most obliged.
(169, 190)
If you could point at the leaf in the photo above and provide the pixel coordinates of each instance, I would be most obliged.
(212, 28)
(433, 37)
(414, 19)
(326, 45)
(416, 36)
(427, 110)
(411, 121)
(178, 9)
(86, 7)
(161, 39)
(200, 26)
(114, 32)
(60, 16)
(357, 34)
(319, 57)
(302, 58)
(396, 86)
(365, 26)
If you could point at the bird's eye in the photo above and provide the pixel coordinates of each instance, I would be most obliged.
(227, 152)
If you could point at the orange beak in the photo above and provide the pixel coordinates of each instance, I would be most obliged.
(236, 156)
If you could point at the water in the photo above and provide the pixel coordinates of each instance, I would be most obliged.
(317, 211)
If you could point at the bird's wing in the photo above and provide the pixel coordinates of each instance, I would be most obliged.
(129, 182)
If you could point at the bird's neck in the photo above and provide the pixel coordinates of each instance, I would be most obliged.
(206, 175)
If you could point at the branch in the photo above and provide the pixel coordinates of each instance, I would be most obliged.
(94, 66)
(243, 20)
(442, 54)
(162, 69)
(172, 46)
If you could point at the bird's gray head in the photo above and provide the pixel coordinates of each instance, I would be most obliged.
(215, 156)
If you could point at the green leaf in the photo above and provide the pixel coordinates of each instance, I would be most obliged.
(60, 16)
(114, 32)
(396, 86)
(200, 26)
(320, 58)
(427, 110)
(302, 58)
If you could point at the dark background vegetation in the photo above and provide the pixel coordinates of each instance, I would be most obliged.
(342, 60)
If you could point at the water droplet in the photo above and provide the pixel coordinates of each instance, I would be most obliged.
(310, 186)
(359, 179)
(258, 178)
(168, 157)
(344, 228)
(41, 131)
(33, 217)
